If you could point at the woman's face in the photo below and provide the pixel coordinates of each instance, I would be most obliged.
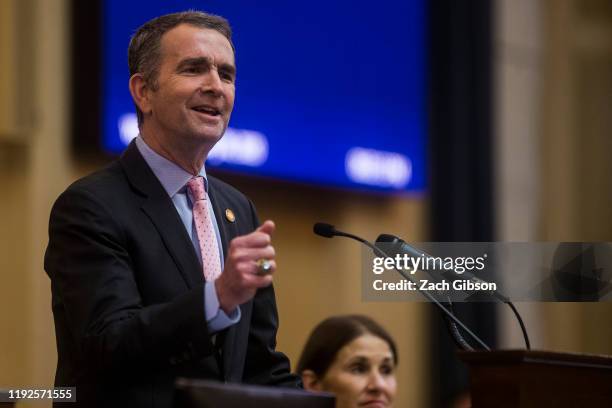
(362, 374)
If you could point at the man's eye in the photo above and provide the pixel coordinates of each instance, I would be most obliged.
(226, 76)
(191, 70)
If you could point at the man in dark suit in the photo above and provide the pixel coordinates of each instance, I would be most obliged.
(158, 270)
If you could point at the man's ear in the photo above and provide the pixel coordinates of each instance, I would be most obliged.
(311, 381)
(140, 93)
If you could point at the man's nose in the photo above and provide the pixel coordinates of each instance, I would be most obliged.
(212, 82)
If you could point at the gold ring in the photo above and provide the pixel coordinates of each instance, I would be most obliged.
(264, 267)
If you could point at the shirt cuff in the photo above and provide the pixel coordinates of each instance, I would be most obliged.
(216, 318)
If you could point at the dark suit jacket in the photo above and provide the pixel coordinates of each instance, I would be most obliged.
(128, 299)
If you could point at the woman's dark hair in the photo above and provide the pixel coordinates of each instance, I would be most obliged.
(334, 333)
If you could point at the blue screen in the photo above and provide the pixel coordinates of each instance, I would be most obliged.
(328, 92)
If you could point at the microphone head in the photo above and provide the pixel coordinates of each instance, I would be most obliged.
(387, 239)
(324, 229)
(393, 245)
(389, 244)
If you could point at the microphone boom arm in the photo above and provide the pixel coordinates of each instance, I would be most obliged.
(328, 231)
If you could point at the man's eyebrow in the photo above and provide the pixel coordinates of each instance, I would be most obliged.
(203, 61)
(193, 61)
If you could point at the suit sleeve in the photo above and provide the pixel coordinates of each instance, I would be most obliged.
(93, 282)
(265, 365)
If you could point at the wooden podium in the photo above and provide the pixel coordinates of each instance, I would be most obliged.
(521, 378)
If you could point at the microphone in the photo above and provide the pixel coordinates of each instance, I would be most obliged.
(329, 231)
(399, 246)
(324, 230)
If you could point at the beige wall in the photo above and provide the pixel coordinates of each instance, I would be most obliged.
(34, 167)
(13, 241)
(518, 74)
(317, 277)
(554, 92)
(576, 168)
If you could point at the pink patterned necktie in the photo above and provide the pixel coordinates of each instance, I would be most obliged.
(209, 248)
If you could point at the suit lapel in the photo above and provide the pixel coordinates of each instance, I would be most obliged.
(227, 229)
(172, 231)
(160, 209)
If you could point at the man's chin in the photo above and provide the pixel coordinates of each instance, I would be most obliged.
(208, 133)
(208, 137)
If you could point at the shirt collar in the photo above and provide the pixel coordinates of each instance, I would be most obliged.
(171, 176)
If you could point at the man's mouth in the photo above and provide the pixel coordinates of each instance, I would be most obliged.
(209, 110)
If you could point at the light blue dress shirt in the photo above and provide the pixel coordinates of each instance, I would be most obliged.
(173, 178)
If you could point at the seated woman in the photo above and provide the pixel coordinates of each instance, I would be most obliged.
(352, 357)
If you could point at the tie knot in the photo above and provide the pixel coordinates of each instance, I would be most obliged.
(196, 188)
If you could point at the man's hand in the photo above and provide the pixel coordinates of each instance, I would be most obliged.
(239, 280)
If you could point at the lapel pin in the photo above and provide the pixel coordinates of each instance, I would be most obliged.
(229, 214)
